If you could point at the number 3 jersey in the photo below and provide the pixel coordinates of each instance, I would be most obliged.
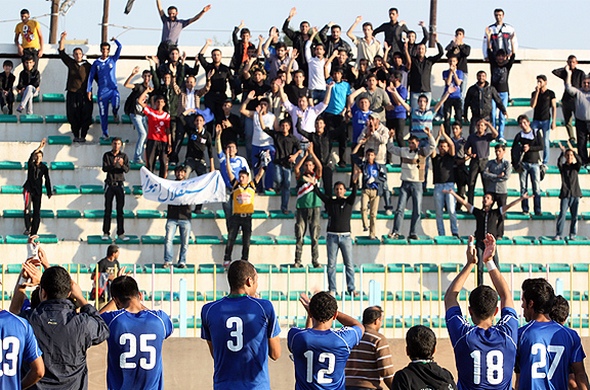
(135, 348)
(546, 351)
(320, 356)
(238, 327)
(484, 357)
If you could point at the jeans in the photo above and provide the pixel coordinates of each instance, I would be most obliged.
(414, 99)
(571, 203)
(440, 200)
(546, 127)
(185, 231)
(305, 218)
(343, 242)
(501, 117)
(116, 192)
(270, 169)
(318, 95)
(139, 122)
(26, 103)
(413, 190)
(464, 86)
(534, 170)
(283, 182)
(236, 221)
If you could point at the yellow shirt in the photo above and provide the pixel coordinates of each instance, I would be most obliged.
(243, 198)
(30, 34)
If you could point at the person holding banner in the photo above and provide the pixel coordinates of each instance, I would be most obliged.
(178, 216)
(242, 195)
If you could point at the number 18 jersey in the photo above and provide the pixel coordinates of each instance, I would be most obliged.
(135, 349)
(546, 350)
(239, 327)
(484, 357)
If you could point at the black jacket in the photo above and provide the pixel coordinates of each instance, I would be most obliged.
(77, 73)
(533, 156)
(427, 375)
(35, 175)
(479, 99)
(26, 78)
(298, 42)
(114, 173)
(64, 337)
(570, 185)
(393, 35)
(339, 210)
(331, 46)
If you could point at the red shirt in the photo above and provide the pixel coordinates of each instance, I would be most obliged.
(158, 124)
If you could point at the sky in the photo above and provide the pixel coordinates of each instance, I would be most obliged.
(540, 24)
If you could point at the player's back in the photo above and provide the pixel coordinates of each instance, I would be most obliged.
(239, 328)
(320, 356)
(546, 351)
(135, 348)
(18, 344)
(484, 358)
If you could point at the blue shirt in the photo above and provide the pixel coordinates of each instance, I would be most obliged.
(399, 112)
(420, 121)
(106, 71)
(372, 171)
(239, 327)
(237, 164)
(457, 93)
(326, 352)
(359, 122)
(17, 345)
(135, 348)
(484, 357)
(546, 350)
(338, 97)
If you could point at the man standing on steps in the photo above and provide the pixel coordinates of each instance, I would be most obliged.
(105, 69)
(78, 107)
(115, 163)
(567, 100)
(582, 110)
(178, 216)
(33, 189)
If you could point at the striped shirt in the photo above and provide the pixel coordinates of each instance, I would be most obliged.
(369, 362)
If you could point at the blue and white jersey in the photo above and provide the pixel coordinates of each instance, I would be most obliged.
(17, 345)
(320, 356)
(546, 350)
(238, 327)
(484, 357)
(237, 164)
(135, 348)
(106, 71)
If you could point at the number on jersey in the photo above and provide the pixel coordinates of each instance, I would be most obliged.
(494, 364)
(541, 350)
(145, 363)
(322, 373)
(237, 342)
(9, 356)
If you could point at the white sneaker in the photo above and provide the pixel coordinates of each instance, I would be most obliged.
(123, 237)
(106, 237)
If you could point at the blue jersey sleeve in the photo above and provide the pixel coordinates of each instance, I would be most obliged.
(167, 322)
(205, 334)
(118, 51)
(351, 335)
(273, 329)
(290, 336)
(578, 351)
(508, 324)
(457, 325)
(31, 350)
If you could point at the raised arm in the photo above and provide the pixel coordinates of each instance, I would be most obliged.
(460, 200)
(497, 278)
(444, 97)
(504, 209)
(200, 14)
(128, 83)
(243, 109)
(350, 31)
(457, 284)
(142, 99)
(159, 7)
(288, 32)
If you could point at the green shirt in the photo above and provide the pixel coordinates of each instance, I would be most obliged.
(308, 200)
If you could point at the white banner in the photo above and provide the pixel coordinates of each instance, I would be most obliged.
(209, 188)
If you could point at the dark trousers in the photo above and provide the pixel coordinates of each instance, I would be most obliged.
(327, 179)
(568, 109)
(337, 132)
(461, 180)
(183, 125)
(500, 199)
(157, 150)
(452, 104)
(79, 113)
(32, 220)
(164, 51)
(476, 167)
(7, 100)
(200, 168)
(582, 133)
(307, 219)
(398, 125)
(480, 246)
(236, 222)
(118, 193)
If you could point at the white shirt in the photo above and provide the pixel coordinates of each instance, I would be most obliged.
(308, 117)
(259, 137)
(315, 70)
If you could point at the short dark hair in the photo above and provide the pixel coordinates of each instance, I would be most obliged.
(24, 11)
(500, 146)
(323, 306)
(560, 310)
(483, 302)
(459, 30)
(318, 45)
(482, 71)
(78, 48)
(336, 69)
(56, 282)
(179, 168)
(397, 75)
(214, 50)
(372, 314)
(239, 271)
(28, 58)
(498, 10)
(112, 249)
(116, 139)
(245, 30)
(339, 183)
(367, 24)
(334, 26)
(8, 63)
(146, 71)
(572, 57)
(172, 8)
(423, 96)
(540, 292)
(285, 120)
(542, 77)
(303, 22)
(175, 48)
(299, 71)
(369, 151)
(105, 44)
(421, 342)
(522, 117)
(124, 288)
(393, 9)
(280, 45)
(500, 52)
(413, 137)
